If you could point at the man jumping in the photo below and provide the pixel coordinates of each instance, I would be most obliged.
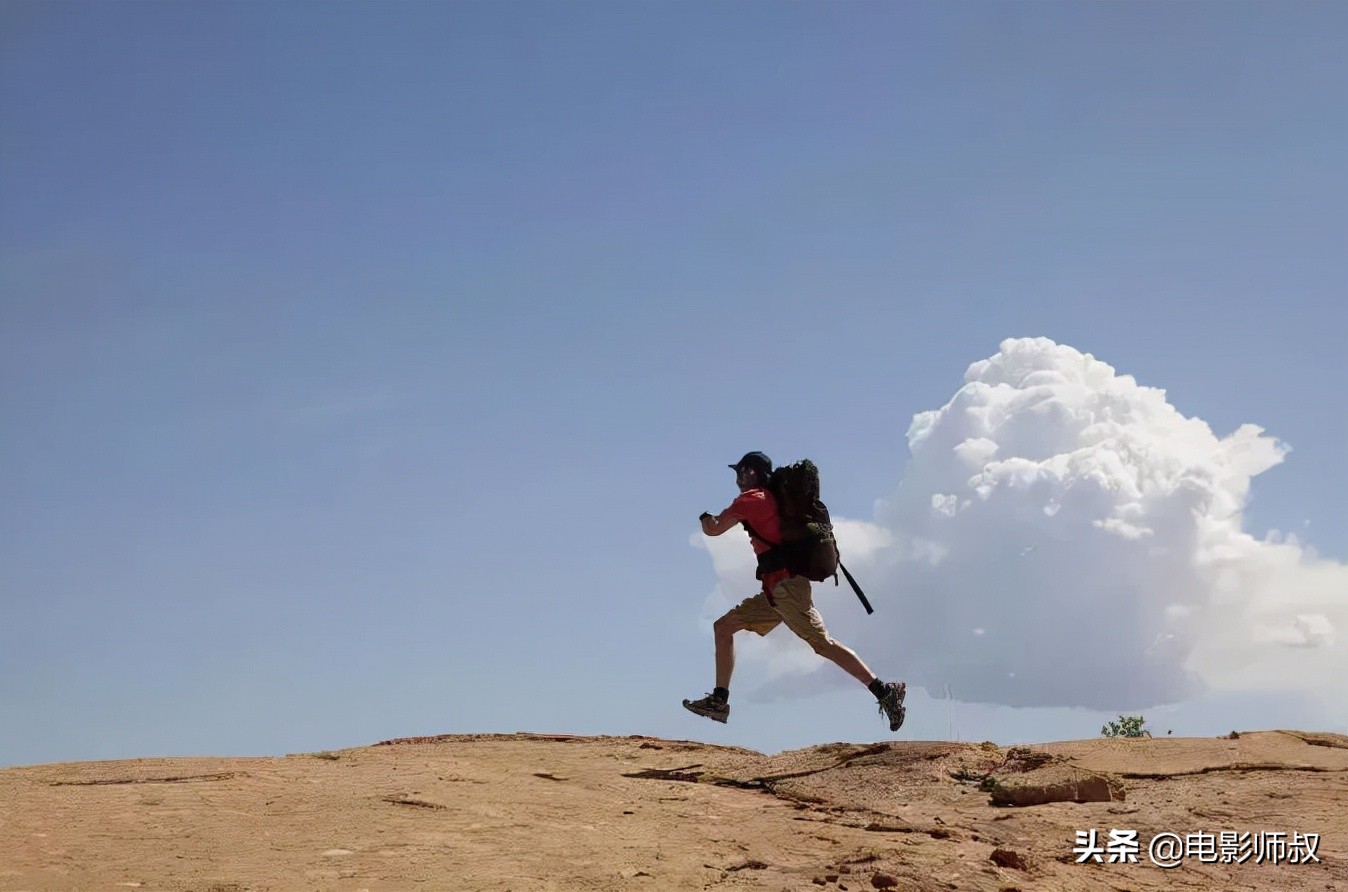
(784, 598)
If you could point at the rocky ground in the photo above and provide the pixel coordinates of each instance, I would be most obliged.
(1261, 810)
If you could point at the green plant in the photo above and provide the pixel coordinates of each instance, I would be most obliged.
(1126, 726)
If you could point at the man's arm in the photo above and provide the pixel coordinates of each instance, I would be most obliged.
(718, 524)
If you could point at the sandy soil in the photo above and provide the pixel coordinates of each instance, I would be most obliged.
(540, 812)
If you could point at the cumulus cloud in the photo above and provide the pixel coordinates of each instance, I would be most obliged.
(1063, 536)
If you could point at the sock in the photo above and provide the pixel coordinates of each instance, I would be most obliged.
(722, 694)
(877, 688)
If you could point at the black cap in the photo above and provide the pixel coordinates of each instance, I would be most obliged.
(756, 461)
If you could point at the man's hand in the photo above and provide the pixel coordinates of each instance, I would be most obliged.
(716, 525)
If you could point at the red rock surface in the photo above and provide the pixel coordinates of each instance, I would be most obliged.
(540, 811)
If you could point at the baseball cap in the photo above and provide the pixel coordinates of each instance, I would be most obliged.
(755, 460)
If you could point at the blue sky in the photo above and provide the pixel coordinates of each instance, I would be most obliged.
(364, 367)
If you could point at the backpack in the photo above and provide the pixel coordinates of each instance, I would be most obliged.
(807, 548)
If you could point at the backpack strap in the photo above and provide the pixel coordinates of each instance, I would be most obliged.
(753, 532)
(856, 588)
(772, 555)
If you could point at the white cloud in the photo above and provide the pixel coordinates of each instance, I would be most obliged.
(1092, 536)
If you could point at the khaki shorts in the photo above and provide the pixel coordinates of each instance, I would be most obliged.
(795, 607)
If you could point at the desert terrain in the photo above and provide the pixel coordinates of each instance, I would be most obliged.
(1255, 810)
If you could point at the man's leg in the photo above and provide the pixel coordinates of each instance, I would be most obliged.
(889, 696)
(752, 613)
(724, 630)
(796, 604)
(846, 658)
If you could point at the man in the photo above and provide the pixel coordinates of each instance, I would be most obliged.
(785, 598)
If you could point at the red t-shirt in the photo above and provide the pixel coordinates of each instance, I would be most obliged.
(759, 508)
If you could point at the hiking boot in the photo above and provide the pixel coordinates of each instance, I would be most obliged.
(891, 704)
(710, 706)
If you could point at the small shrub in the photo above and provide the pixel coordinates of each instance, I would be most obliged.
(1126, 726)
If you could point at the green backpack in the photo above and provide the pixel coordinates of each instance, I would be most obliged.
(807, 548)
